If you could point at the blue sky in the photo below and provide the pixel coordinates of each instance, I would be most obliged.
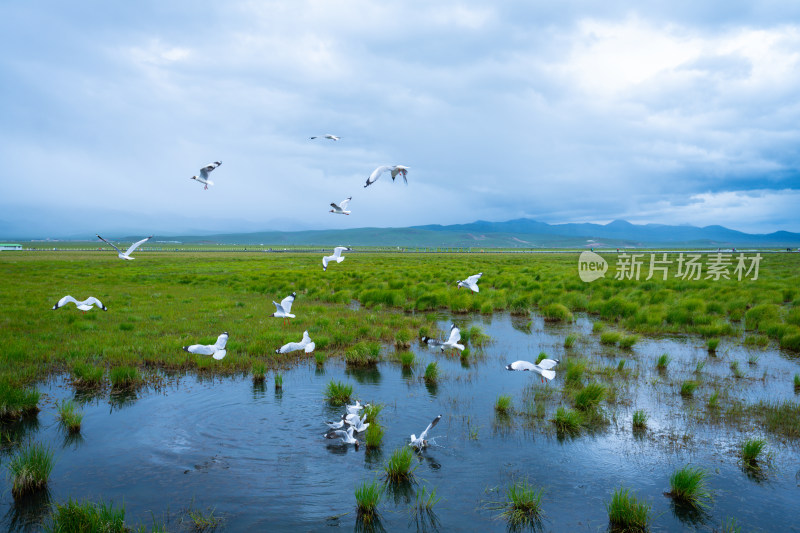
(569, 111)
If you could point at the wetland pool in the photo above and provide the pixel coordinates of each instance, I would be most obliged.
(257, 456)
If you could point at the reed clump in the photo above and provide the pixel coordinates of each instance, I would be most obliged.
(30, 469)
(626, 512)
(628, 341)
(662, 361)
(640, 419)
(259, 370)
(523, 504)
(16, 402)
(503, 404)
(86, 376)
(687, 388)
(569, 340)
(690, 486)
(86, 516)
(567, 421)
(610, 337)
(751, 452)
(125, 377)
(368, 497)
(556, 312)
(400, 468)
(432, 373)
(590, 396)
(69, 416)
(278, 381)
(374, 437)
(338, 393)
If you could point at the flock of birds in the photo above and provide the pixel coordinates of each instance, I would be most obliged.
(350, 423)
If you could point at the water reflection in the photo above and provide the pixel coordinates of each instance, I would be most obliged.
(29, 512)
(259, 389)
(118, 400)
(690, 515)
(13, 434)
(370, 375)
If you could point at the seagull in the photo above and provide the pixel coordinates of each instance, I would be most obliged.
(357, 424)
(337, 255)
(341, 209)
(420, 442)
(451, 343)
(127, 254)
(471, 282)
(543, 368)
(395, 170)
(339, 424)
(216, 350)
(203, 178)
(304, 344)
(346, 436)
(283, 309)
(83, 306)
(326, 136)
(354, 409)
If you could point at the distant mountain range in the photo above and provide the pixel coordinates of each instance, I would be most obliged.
(519, 233)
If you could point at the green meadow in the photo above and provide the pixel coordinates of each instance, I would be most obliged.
(163, 301)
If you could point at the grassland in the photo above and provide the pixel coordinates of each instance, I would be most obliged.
(163, 301)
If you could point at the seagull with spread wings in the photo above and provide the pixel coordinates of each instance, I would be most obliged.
(421, 441)
(326, 136)
(543, 367)
(337, 256)
(341, 208)
(204, 172)
(470, 283)
(305, 344)
(216, 350)
(84, 306)
(284, 309)
(394, 169)
(127, 254)
(450, 344)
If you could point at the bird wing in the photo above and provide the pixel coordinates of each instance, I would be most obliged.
(208, 168)
(137, 244)
(219, 354)
(336, 433)
(310, 347)
(91, 300)
(278, 307)
(337, 252)
(521, 365)
(105, 241)
(377, 172)
(336, 207)
(286, 303)
(222, 340)
(64, 301)
(455, 335)
(432, 342)
(325, 260)
(547, 374)
(291, 347)
(547, 364)
(200, 349)
(472, 280)
(427, 429)
(345, 203)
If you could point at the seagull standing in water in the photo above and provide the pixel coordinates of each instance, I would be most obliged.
(341, 209)
(284, 309)
(543, 368)
(127, 254)
(345, 435)
(83, 306)
(305, 344)
(450, 344)
(216, 350)
(421, 441)
(394, 169)
(203, 177)
(337, 256)
(326, 136)
(471, 282)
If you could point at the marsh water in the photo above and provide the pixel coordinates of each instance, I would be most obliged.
(257, 456)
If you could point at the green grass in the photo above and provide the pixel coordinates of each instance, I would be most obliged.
(125, 377)
(780, 418)
(368, 497)
(737, 372)
(203, 520)
(713, 400)
(687, 388)
(690, 486)
(751, 452)
(407, 359)
(797, 382)
(69, 416)
(400, 466)
(86, 517)
(590, 396)
(259, 370)
(374, 436)
(597, 327)
(16, 402)
(556, 312)
(639, 419)
(712, 345)
(628, 341)
(432, 373)
(278, 381)
(573, 372)
(363, 354)
(610, 337)
(338, 393)
(662, 361)
(30, 469)
(87, 376)
(567, 420)
(569, 340)
(319, 357)
(503, 404)
(523, 504)
(372, 411)
(627, 513)
(426, 500)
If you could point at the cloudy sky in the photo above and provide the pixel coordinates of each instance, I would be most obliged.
(682, 112)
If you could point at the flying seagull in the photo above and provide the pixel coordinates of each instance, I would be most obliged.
(284, 309)
(358, 424)
(339, 424)
(346, 436)
(543, 368)
(471, 282)
(326, 136)
(83, 306)
(450, 344)
(355, 408)
(394, 169)
(421, 442)
(304, 344)
(216, 350)
(341, 209)
(127, 254)
(337, 256)
(203, 178)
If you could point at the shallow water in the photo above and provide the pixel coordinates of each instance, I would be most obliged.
(257, 456)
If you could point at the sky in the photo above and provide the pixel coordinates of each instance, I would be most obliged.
(677, 112)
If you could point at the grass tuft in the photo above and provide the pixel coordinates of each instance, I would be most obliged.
(400, 468)
(751, 451)
(338, 393)
(712, 344)
(590, 396)
(662, 361)
(524, 505)
(86, 376)
(69, 416)
(374, 437)
(689, 486)
(567, 420)
(259, 370)
(30, 469)
(639, 419)
(610, 337)
(319, 357)
(87, 516)
(125, 377)
(627, 513)
(556, 312)
(16, 402)
(796, 382)
(687, 388)
(503, 404)
(432, 373)
(713, 400)
(368, 497)
(628, 341)
(569, 340)
(407, 359)
(278, 381)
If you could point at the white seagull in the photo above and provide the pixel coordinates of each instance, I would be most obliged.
(395, 170)
(450, 344)
(284, 309)
(421, 442)
(83, 306)
(341, 209)
(354, 409)
(216, 350)
(357, 423)
(345, 435)
(326, 136)
(337, 256)
(305, 344)
(471, 282)
(127, 254)
(203, 177)
(543, 368)
(339, 424)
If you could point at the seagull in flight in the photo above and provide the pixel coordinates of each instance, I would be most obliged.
(326, 136)
(394, 169)
(305, 344)
(543, 368)
(421, 442)
(355, 408)
(284, 309)
(338, 425)
(127, 254)
(216, 350)
(83, 306)
(450, 344)
(341, 209)
(345, 435)
(470, 283)
(203, 178)
(358, 424)
(337, 256)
